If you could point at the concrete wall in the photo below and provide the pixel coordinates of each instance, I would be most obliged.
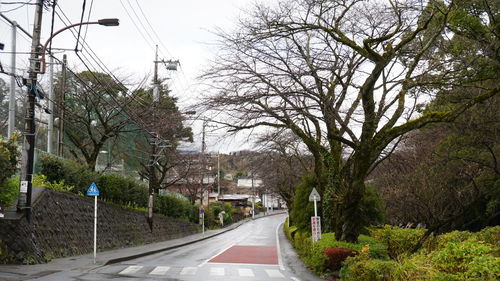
(62, 225)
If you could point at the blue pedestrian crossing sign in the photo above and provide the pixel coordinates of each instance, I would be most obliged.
(93, 190)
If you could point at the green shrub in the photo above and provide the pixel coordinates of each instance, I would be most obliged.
(360, 268)
(73, 173)
(315, 258)
(41, 180)
(399, 241)
(8, 161)
(371, 209)
(112, 187)
(457, 255)
(8, 158)
(302, 209)
(75, 177)
(467, 260)
(175, 207)
(9, 191)
(289, 230)
(302, 242)
(440, 241)
(490, 235)
(365, 268)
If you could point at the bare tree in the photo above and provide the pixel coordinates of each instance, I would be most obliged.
(192, 173)
(163, 124)
(281, 164)
(346, 77)
(94, 114)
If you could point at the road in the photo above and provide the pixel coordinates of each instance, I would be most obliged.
(250, 252)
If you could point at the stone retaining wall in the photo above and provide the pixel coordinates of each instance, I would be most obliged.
(62, 225)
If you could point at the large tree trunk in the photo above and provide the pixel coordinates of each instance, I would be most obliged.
(350, 220)
(349, 215)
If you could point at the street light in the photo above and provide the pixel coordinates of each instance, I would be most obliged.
(105, 22)
(28, 152)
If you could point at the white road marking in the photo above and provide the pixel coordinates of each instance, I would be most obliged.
(243, 264)
(273, 273)
(189, 271)
(295, 279)
(245, 272)
(131, 269)
(160, 270)
(217, 271)
(278, 248)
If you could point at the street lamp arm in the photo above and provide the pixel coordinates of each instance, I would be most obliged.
(105, 22)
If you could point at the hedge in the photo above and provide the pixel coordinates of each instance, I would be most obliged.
(114, 188)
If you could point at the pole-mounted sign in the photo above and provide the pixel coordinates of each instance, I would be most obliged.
(316, 220)
(94, 191)
(202, 217)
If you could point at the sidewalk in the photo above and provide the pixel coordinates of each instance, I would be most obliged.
(85, 262)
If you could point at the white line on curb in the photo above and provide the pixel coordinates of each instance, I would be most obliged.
(278, 248)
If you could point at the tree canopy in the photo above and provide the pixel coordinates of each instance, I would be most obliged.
(348, 78)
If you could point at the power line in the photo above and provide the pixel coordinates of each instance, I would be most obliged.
(80, 27)
(151, 27)
(13, 9)
(92, 54)
(174, 84)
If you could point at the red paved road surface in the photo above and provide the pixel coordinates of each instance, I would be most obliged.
(248, 254)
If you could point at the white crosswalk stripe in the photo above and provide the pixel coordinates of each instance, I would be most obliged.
(193, 271)
(273, 273)
(245, 272)
(131, 269)
(189, 271)
(217, 271)
(160, 270)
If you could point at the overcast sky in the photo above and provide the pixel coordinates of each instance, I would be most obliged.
(182, 29)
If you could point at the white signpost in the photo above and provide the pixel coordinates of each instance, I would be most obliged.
(202, 212)
(94, 191)
(316, 220)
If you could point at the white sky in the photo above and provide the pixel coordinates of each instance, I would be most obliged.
(183, 27)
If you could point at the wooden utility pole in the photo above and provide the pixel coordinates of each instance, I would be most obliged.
(28, 152)
(154, 142)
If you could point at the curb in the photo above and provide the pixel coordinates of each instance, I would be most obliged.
(140, 255)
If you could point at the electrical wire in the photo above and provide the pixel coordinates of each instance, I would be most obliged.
(94, 57)
(88, 19)
(54, 4)
(16, 8)
(80, 27)
(151, 27)
(137, 27)
(92, 54)
(151, 40)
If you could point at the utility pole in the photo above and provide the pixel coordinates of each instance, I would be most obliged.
(12, 97)
(204, 163)
(28, 152)
(50, 129)
(12, 94)
(218, 174)
(154, 142)
(253, 199)
(60, 147)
